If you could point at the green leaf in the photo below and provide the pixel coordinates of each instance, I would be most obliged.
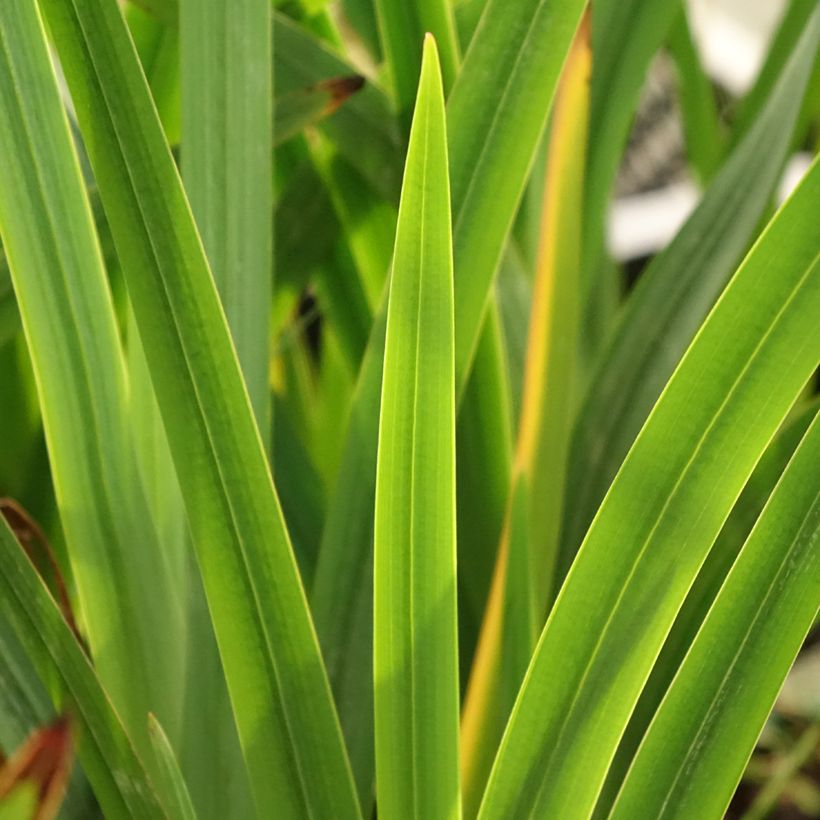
(625, 36)
(402, 25)
(526, 554)
(124, 584)
(783, 44)
(673, 296)
(700, 740)
(415, 649)
(724, 402)
(168, 773)
(227, 127)
(287, 726)
(497, 143)
(495, 116)
(705, 139)
(116, 774)
(702, 594)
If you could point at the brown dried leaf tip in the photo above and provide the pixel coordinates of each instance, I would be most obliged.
(35, 544)
(340, 88)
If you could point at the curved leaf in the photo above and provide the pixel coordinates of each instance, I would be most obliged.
(701, 738)
(673, 296)
(116, 774)
(727, 398)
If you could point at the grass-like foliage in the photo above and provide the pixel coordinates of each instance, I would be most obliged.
(342, 472)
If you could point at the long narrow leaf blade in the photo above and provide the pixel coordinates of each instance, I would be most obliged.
(701, 596)
(168, 774)
(117, 776)
(402, 24)
(673, 296)
(697, 746)
(508, 631)
(285, 716)
(415, 652)
(498, 143)
(723, 404)
(227, 91)
(123, 580)
(495, 116)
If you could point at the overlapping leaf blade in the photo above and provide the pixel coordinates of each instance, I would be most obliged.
(725, 401)
(498, 143)
(287, 724)
(118, 777)
(673, 296)
(495, 115)
(132, 615)
(697, 746)
(702, 594)
(227, 127)
(523, 573)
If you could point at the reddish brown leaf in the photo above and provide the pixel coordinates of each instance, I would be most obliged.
(45, 761)
(35, 544)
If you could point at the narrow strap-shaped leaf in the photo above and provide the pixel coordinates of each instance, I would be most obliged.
(526, 556)
(496, 142)
(116, 774)
(702, 594)
(415, 648)
(727, 398)
(168, 773)
(287, 724)
(402, 25)
(495, 116)
(698, 745)
(227, 133)
(705, 137)
(625, 36)
(783, 43)
(227, 163)
(673, 296)
(132, 617)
